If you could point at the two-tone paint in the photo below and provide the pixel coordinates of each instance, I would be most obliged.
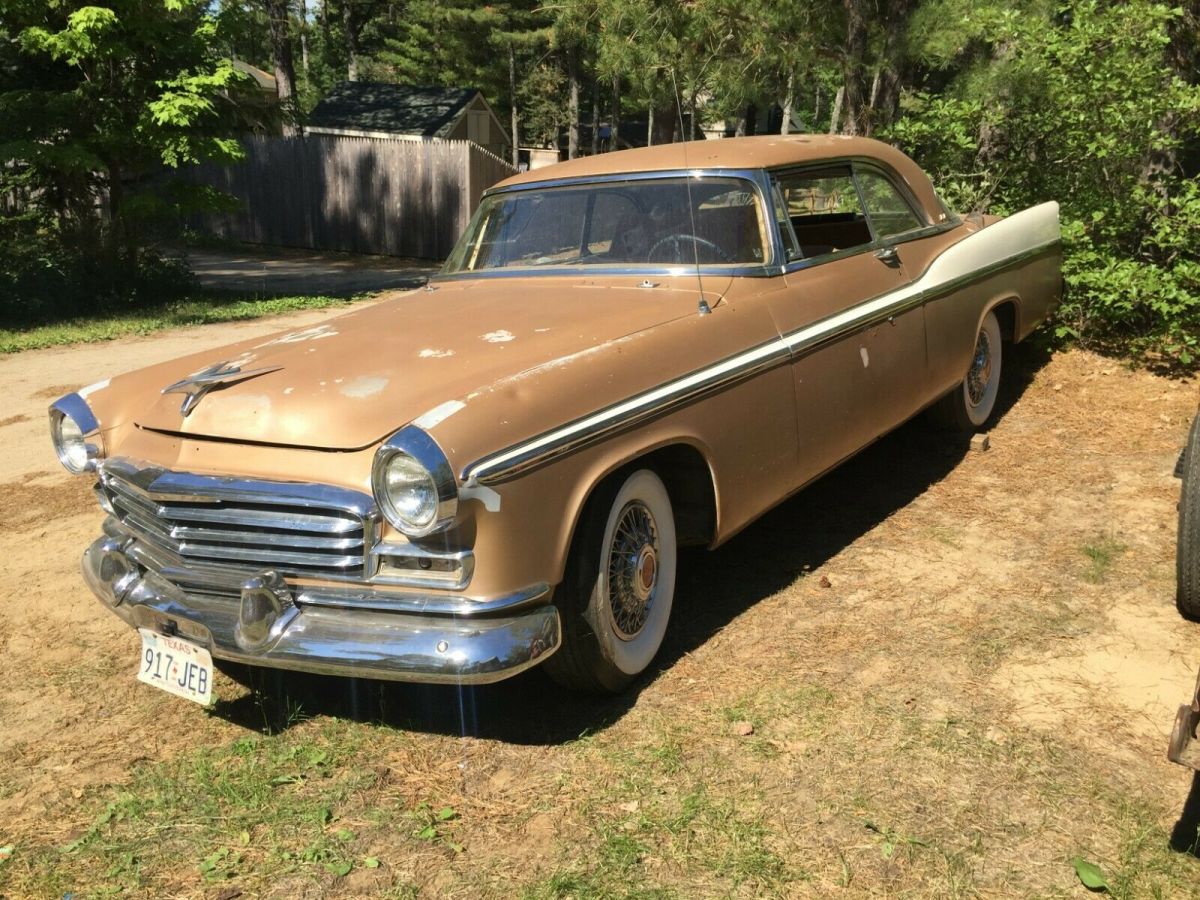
(740, 385)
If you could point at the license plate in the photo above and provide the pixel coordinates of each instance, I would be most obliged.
(177, 666)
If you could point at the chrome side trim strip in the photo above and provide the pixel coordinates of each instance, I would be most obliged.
(626, 414)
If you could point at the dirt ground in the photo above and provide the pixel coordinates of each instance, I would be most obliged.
(958, 670)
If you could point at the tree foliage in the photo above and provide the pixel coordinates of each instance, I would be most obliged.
(96, 101)
(1077, 105)
(1005, 102)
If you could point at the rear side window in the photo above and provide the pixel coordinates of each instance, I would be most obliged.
(889, 212)
(824, 210)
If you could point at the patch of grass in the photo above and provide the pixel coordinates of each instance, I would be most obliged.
(1101, 554)
(202, 309)
(575, 885)
(243, 815)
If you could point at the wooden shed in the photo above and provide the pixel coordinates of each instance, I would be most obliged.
(375, 109)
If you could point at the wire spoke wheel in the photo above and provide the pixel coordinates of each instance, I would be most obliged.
(632, 570)
(619, 587)
(980, 374)
(970, 404)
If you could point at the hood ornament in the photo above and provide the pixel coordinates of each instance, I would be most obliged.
(221, 374)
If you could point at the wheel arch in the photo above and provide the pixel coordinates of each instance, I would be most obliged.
(1008, 313)
(685, 467)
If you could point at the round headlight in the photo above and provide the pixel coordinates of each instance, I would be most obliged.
(410, 491)
(71, 425)
(414, 484)
(72, 448)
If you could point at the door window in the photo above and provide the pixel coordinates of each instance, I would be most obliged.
(889, 212)
(824, 210)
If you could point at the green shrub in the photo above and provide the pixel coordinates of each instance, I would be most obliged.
(1081, 107)
(43, 280)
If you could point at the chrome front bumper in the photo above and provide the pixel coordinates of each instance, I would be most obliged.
(313, 630)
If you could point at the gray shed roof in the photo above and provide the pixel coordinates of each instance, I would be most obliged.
(396, 108)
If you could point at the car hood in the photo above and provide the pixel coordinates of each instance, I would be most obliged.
(353, 380)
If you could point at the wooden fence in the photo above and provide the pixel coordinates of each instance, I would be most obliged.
(363, 195)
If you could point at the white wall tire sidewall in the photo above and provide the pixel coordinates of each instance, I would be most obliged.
(978, 415)
(632, 656)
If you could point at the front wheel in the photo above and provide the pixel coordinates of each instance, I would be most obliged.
(1187, 550)
(969, 406)
(619, 584)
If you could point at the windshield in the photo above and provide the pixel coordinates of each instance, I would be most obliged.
(659, 221)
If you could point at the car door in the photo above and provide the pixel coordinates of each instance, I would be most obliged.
(858, 355)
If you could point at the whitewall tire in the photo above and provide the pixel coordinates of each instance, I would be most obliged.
(970, 405)
(616, 596)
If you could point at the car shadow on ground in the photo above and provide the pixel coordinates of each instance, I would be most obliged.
(714, 588)
(1185, 836)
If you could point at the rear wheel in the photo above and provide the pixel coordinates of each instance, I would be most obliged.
(619, 584)
(1187, 548)
(969, 406)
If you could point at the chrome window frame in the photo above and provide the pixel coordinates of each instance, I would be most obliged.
(757, 178)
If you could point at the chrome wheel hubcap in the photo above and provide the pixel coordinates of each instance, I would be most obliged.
(981, 370)
(632, 570)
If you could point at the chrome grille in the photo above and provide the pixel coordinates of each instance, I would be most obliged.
(247, 526)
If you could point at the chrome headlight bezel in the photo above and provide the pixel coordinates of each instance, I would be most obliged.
(74, 408)
(415, 444)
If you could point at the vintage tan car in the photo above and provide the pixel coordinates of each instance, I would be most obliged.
(624, 354)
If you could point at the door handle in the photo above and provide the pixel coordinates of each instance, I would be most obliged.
(888, 256)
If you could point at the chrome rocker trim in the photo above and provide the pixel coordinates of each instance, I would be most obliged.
(309, 630)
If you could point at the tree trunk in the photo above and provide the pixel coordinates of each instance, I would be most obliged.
(615, 118)
(351, 28)
(595, 116)
(573, 104)
(836, 115)
(281, 56)
(751, 126)
(885, 90)
(304, 36)
(323, 18)
(785, 126)
(650, 127)
(853, 67)
(512, 96)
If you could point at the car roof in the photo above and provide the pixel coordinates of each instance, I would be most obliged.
(766, 151)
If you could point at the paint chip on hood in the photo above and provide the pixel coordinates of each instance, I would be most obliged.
(498, 337)
(366, 386)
